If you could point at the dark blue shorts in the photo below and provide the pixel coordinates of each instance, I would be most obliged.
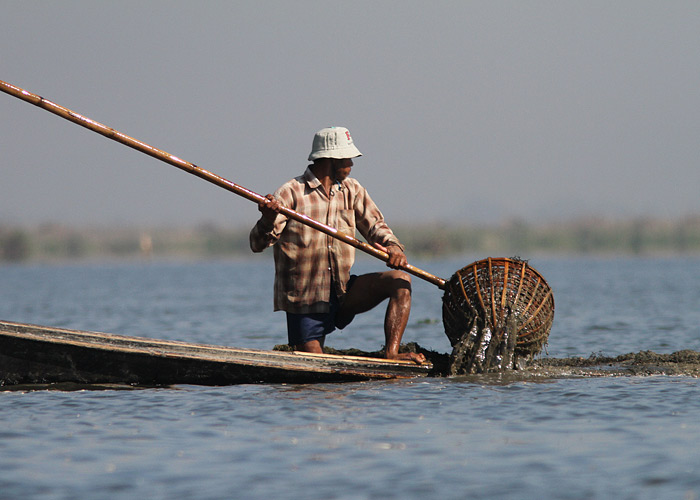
(302, 328)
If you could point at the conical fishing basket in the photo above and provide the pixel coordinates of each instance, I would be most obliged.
(495, 310)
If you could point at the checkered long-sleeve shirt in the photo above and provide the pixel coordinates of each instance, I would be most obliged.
(307, 261)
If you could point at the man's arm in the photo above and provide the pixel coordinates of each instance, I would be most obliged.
(372, 226)
(266, 232)
(397, 259)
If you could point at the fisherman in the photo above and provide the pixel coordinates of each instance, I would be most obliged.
(313, 284)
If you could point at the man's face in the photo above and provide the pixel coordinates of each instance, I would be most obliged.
(341, 169)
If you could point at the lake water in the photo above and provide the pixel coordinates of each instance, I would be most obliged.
(482, 437)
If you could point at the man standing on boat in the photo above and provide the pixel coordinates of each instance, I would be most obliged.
(312, 270)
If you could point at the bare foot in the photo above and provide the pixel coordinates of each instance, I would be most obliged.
(416, 357)
(311, 346)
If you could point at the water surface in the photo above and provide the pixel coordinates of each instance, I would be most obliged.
(473, 437)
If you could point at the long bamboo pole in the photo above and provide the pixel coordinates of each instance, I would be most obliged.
(204, 174)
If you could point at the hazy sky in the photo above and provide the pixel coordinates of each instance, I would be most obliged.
(465, 111)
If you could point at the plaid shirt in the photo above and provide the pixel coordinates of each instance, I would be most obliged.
(307, 260)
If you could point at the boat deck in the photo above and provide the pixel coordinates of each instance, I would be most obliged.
(33, 354)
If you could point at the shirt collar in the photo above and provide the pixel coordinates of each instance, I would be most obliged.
(311, 179)
(313, 182)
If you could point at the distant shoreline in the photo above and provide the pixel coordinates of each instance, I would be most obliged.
(585, 236)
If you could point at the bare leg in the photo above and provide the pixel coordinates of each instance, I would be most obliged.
(371, 289)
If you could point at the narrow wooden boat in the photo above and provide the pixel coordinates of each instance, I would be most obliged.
(32, 354)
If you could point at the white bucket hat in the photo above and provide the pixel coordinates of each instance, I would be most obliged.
(333, 142)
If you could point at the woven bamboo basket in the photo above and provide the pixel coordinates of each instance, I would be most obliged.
(494, 311)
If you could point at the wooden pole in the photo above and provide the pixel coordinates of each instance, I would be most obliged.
(204, 174)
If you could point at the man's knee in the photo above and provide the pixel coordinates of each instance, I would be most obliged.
(401, 281)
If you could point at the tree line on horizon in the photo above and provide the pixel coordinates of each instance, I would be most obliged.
(640, 236)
